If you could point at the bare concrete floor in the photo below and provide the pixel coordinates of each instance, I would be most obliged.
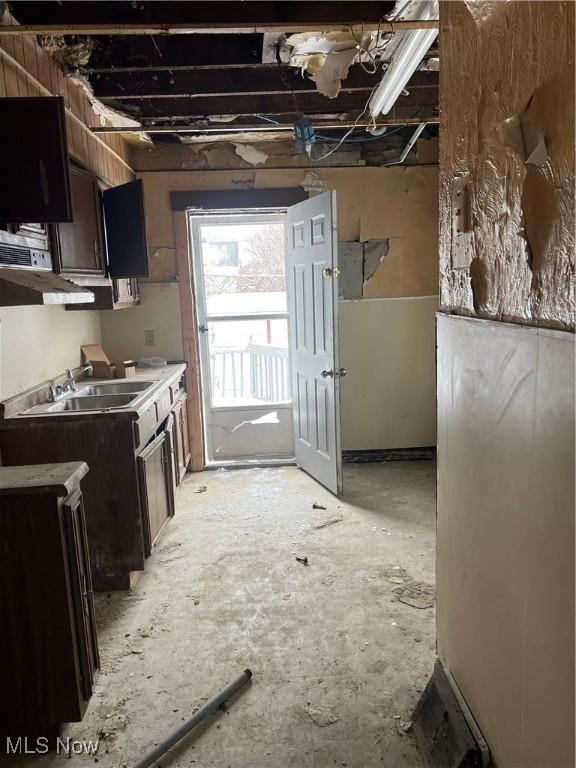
(339, 659)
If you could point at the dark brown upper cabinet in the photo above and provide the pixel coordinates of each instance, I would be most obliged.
(81, 242)
(125, 230)
(34, 160)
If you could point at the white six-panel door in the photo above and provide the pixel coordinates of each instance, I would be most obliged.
(312, 272)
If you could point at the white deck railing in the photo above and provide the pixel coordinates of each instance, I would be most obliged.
(259, 373)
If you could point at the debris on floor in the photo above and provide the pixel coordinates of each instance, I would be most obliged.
(222, 588)
(201, 489)
(335, 518)
(318, 506)
(416, 595)
(322, 716)
(303, 560)
(402, 726)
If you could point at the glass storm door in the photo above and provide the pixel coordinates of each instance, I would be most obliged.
(240, 284)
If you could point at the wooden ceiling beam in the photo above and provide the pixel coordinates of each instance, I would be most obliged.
(178, 107)
(284, 127)
(73, 16)
(270, 79)
(114, 54)
(211, 27)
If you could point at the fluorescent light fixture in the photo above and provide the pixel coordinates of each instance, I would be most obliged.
(405, 60)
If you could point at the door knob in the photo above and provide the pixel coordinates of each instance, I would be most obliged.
(327, 374)
(342, 372)
(203, 328)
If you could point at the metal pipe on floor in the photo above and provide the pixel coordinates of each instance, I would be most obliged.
(160, 749)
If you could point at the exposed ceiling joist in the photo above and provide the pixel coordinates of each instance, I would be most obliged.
(281, 127)
(169, 51)
(137, 60)
(237, 15)
(270, 79)
(212, 27)
(273, 104)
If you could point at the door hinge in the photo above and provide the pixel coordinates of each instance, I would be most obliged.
(330, 272)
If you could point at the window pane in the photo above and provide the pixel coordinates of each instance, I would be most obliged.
(249, 362)
(244, 267)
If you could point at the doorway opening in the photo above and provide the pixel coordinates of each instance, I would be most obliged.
(242, 315)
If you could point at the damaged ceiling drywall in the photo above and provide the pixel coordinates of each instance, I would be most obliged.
(242, 81)
(327, 58)
(508, 146)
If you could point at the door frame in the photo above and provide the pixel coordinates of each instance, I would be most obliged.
(225, 216)
(195, 422)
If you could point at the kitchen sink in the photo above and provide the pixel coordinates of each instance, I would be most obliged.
(114, 388)
(92, 403)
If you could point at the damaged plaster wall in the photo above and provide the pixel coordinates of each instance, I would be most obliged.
(358, 263)
(505, 523)
(398, 205)
(511, 256)
(391, 211)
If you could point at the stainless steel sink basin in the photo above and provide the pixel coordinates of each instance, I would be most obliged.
(114, 388)
(92, 403)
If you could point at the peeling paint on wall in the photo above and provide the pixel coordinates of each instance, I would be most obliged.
(312, 182)
(358, 262)
(250, 154)
(509, 128)
(374, 252)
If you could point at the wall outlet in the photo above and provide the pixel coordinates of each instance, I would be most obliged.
(149, 338)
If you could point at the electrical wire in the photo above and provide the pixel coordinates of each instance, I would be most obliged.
(343, 139)
(359, 140)
(355, 140)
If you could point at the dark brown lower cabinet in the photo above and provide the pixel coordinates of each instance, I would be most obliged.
(171, 430)
(155, 469)
(125, 510)
(182, 442)
(48, 646)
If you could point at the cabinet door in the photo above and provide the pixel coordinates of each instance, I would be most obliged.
(182, 442)
(81, 591)
(125, 230)
(185, 435)
(80, 241)
(171, 431)
(153, 468)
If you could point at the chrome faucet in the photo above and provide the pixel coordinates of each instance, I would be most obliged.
(54, 393)
(69, 385)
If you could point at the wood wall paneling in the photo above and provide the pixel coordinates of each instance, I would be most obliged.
(27, 70)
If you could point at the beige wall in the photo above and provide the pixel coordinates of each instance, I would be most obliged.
(123, 331)
(506, 392)
(505, 570)
(373, 203)
(388, 397)
(38, 343)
